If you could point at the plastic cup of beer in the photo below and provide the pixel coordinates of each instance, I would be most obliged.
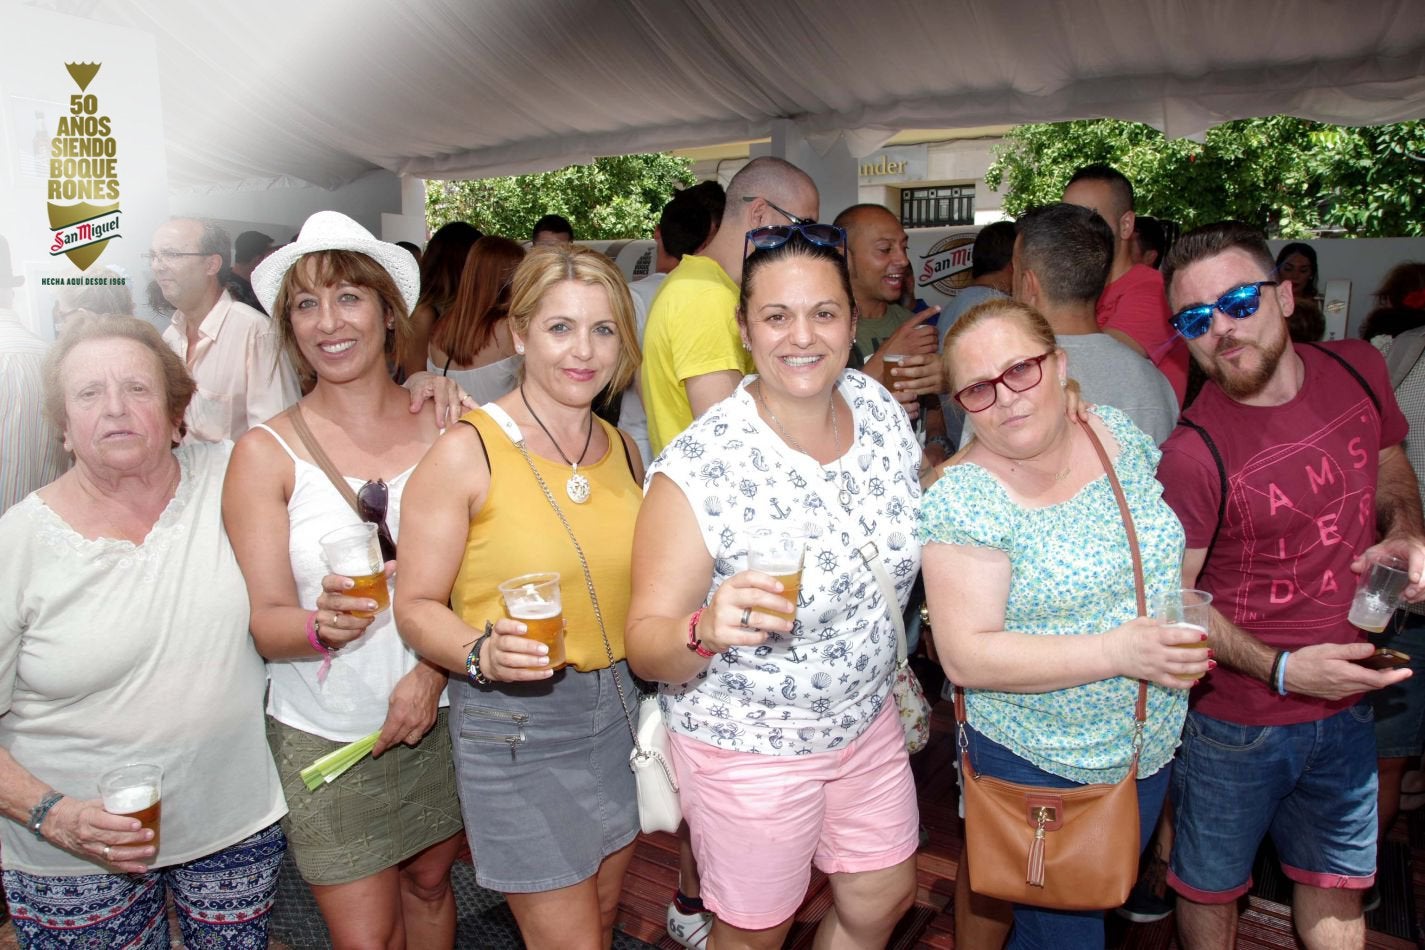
(533, 600)
(1378, 592)
(355, 552)
(779, 550)
(136, 791)
(1187, 610)
(888, 362)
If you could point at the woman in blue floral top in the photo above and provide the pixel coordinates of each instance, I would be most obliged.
(1030, 585)
(785, 737)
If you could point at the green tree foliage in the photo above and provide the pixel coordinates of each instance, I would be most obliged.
(1292, 177)
(618, 197)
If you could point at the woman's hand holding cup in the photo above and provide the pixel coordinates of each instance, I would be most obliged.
(743, 611)
(509, 656)
(1170, 655)
(344, 618)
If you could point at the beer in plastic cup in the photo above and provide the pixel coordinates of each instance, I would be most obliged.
(779, 550)
(533, 600)
(135, 791)
(889, 361)
(355, 552)
(1187, 610)
(1378, 592)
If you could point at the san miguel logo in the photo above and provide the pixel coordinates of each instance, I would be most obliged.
(946, 266)
(83, 176)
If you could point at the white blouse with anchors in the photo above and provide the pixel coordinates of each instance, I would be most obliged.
(821, 686)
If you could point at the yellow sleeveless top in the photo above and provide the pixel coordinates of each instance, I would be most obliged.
(517, 532)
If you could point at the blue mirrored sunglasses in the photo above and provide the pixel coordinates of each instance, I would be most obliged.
(775, 235)
(1239, 303)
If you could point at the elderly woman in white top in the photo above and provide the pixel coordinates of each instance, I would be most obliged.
(785, 736)
(123, 638)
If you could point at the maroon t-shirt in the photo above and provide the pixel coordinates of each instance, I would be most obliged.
(1301, 485)
(1136, 305)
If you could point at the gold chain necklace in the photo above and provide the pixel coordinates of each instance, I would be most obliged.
(577, 487)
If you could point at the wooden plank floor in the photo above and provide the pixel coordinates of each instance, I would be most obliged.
(930, 924)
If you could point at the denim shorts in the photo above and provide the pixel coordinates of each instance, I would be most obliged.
(1036, 927)
(1310, 785)
(1400, 709)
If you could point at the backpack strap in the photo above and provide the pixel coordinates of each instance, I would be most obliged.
(1375, 400)
(1221, 482)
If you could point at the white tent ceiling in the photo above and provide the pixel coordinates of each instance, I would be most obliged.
(324, 91)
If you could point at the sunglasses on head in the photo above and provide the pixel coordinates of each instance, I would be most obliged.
(1239, 303)
(775, 235)
(371, 502)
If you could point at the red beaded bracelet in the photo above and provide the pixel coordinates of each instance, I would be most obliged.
(694, 643)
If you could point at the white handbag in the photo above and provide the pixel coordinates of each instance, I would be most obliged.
(658, 806)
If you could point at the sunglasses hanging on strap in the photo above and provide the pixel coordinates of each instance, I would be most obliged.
(369, 503)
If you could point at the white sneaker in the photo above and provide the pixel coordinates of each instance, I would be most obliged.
(689, 930)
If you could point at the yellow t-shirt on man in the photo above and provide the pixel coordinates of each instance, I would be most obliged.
(691, 331)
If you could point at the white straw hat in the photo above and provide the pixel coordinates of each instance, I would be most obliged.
(334, 231)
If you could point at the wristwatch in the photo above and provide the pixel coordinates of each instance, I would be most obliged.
(694, 643)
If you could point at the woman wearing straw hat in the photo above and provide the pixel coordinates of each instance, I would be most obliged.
(375, 845)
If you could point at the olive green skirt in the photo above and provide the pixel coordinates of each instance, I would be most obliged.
(376, 815)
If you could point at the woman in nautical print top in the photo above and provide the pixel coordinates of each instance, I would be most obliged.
(1030, 584)
(786, 740)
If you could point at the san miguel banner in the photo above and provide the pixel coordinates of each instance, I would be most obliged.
(83, 194)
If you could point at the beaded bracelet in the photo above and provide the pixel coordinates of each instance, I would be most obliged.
(694, 643)
(314, 637)
(38, 813)
(1281, 673)
(472, 662)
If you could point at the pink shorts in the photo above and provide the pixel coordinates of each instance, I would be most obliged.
(758, 822)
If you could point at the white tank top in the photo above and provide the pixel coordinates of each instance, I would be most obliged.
(352, 703)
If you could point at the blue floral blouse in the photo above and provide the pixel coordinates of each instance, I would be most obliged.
(1072, 574)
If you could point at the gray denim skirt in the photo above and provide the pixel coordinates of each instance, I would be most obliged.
(543, 774)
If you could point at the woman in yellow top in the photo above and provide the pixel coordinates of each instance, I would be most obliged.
(541, 753)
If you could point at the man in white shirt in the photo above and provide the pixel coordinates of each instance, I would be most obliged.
(233, 351)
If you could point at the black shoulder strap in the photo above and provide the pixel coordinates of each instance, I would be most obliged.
(623, 440)
(1375, 400)
(1221, 481)
(490, 465)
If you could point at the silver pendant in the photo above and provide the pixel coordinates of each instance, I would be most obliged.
(577, 488)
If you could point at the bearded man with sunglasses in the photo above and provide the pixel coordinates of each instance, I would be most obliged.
(1280, 472)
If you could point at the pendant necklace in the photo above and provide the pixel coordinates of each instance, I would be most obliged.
(844, 495)
(577, 487)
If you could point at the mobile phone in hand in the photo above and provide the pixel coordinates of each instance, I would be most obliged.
(1386, 659)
